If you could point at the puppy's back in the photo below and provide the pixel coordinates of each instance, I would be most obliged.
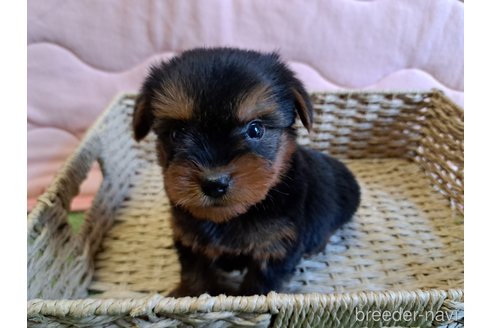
(332, 198)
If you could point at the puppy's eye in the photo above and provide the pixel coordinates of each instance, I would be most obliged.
(255, 130)
(176, 133)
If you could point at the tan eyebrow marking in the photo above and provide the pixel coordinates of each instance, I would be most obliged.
(258, 102)
(172, 102)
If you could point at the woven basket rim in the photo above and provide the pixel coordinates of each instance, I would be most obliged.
(270, 303)
(383, 91)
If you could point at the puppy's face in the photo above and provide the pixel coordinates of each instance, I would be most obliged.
(224, 120)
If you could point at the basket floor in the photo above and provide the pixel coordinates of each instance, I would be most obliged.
(404, 236)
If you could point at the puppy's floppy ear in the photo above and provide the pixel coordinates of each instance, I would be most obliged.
(303, 105)
(142, 118)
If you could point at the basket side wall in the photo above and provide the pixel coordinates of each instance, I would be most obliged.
(440, 150)
(366, 124)
(60, 261)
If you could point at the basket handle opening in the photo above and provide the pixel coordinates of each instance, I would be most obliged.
(50, 234)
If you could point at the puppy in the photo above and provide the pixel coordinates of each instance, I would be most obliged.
(244, 195)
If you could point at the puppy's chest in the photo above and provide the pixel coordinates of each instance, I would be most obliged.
(262, 239)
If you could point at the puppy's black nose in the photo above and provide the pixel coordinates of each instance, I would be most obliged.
(216, 186)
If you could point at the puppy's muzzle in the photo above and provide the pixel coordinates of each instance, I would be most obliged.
(216, 186)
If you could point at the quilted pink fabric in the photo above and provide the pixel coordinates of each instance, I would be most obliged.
(82, 53)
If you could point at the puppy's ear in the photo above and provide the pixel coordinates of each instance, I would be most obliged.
(142, 118)
(303, 105)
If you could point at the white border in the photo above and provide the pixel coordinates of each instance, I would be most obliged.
(13, 189)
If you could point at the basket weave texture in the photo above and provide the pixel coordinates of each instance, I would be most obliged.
(403, 251)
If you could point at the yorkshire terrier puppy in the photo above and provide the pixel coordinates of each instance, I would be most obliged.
(244, 195)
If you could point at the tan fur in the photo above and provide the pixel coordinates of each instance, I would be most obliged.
(252, 177)
(257, 103)
(262, 245)
(161, 153)
(172, 102)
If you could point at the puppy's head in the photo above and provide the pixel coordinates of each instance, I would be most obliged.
(224, 120)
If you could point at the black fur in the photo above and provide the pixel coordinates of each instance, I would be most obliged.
(315, 195)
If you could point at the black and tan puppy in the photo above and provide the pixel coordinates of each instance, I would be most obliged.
(244, 194)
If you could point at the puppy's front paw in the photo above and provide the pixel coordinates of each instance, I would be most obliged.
(182, 291)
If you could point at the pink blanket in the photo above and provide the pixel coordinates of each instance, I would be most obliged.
(82, 53)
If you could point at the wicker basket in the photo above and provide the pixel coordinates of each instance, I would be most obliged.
(402, 252)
